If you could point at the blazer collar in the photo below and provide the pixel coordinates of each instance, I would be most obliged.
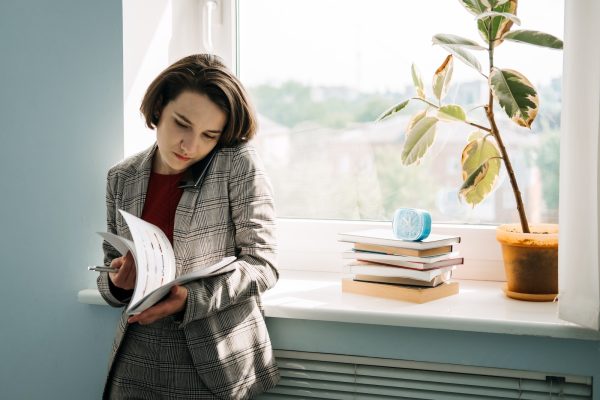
(192, 178)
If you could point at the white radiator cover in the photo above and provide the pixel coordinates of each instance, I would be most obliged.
(328, 376)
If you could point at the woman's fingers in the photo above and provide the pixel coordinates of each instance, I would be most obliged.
(131, 271)
(127, 271)
(124, 278)
(114, 276)
(175, 302)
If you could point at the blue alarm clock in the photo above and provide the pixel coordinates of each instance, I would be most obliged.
(411, 224)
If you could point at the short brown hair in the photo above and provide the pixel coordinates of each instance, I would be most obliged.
(204, 74)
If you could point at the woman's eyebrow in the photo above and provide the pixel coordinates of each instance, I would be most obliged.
(183, 118)
(187, 121)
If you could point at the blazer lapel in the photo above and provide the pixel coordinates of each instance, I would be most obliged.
(189, 204)
(184, 219)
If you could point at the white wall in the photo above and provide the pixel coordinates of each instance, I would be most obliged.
(156, 34)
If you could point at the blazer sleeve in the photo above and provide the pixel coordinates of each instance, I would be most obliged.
(253, 214)
(113, 295)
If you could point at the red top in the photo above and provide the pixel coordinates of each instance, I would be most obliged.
(162, 198)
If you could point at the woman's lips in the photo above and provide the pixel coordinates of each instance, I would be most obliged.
(182, 158)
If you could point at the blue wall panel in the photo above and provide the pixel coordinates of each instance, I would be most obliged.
(520, 352)
(61, 119)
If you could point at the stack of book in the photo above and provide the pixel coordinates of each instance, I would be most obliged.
(386, 266)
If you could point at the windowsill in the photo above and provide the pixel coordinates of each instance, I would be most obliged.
(479, 307)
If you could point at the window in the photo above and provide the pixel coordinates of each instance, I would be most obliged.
(156, 35)
(320, 72)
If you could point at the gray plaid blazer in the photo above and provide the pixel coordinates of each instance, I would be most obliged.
(226, 210)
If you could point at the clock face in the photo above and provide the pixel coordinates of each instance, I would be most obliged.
(411, 224)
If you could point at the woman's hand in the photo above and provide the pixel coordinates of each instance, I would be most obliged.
(124, 278)
(174, 303)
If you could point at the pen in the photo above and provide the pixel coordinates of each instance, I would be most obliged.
(102, 269)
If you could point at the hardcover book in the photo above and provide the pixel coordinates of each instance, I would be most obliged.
(412, 294)
(405, 261)
(366, 268)
(445, 277)
(371, 256)
(385, 237)
(155, 263)
(400, 251)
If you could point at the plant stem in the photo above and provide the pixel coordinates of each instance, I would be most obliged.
(483, 128)
(425, 101)
(489, 111)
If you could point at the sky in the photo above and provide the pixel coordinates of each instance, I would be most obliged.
(370, 45)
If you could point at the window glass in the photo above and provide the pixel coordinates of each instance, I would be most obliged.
(321, 71)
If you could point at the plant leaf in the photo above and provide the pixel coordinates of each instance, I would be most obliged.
(452, 112)
(535, 38)
(480, 170)
(493, 3)
(462, 55)
(475, 135)
(475, 7)
(516, 95)
(418, 140)
(493, 28)
(442, 77)
(415, 118)
(418, 82)
(392, 110)
(447, 38)
(488, 14)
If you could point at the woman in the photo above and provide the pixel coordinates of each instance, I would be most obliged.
(203, 185)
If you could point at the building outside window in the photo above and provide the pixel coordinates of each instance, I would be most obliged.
(320, 72)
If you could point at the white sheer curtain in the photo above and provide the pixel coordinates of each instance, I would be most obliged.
(579, 268)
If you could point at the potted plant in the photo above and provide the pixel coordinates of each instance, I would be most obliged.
(530, 251)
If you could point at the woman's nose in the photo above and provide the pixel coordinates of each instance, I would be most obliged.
(188, 144)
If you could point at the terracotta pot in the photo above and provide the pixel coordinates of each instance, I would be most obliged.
(530, 261)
